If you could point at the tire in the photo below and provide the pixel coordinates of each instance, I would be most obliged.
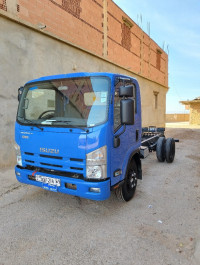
(160, 149)
(127, 190)
(170, 150)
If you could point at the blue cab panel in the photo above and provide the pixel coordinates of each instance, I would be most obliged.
(53, 153)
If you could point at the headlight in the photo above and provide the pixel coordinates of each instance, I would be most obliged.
(96, 164)
(18, 154)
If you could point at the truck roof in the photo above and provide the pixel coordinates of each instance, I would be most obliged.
(74, 75)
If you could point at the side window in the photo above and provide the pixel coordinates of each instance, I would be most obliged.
(117, 120)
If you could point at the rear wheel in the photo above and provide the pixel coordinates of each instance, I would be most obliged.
(160, 149)
(127, 190)
(170, 150)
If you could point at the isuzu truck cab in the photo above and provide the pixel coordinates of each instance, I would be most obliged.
(80, 134)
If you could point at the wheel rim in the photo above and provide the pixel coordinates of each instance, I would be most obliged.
(131, 181)
(127, 190)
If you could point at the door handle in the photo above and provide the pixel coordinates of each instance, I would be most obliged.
(137, 135)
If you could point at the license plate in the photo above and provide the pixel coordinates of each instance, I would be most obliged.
(49, 187)
(47, 180)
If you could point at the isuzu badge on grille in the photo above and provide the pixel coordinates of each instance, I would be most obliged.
(49, 151)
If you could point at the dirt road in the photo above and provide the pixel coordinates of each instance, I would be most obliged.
(161, 225)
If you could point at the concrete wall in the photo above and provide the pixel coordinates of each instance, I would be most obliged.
(177, 117)
(26, 53)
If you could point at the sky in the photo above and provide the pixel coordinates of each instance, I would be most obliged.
(176, 25)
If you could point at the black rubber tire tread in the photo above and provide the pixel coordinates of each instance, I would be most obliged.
(124, 193)
(118, 193)
(170, 150)
(160, 149)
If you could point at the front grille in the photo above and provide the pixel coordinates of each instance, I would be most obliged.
(54, 172)
(53, 162)
(27, 153)
(77, 168)
(53, 157)
(76, 159)
(29, 161)
(50, 165)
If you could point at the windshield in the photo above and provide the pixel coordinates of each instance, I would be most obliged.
(74, 102)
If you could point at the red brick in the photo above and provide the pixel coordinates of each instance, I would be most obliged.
(81, 22)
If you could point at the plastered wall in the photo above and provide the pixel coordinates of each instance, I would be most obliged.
(26, 53)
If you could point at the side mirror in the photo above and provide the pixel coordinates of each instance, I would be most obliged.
(127, 111)
(20, 90)
(126, 91)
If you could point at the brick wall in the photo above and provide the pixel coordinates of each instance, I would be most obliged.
(106, 32)
(177, 117)
(3, 5)
(130, 46)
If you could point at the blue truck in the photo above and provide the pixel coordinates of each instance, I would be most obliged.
(81, 134)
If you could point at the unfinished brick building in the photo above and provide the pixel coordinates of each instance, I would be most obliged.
(101, 27)
(44, 37)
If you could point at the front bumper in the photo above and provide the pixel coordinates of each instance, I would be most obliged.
(82, 186)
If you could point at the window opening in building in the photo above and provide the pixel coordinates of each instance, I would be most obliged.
(71, 6)
(3, 5)
(158, 59)
(155, 99)
(126, 33)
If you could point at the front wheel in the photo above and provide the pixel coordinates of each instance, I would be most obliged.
(127, 190)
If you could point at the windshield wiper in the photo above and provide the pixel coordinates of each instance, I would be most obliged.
(71, 126)
(81, 128)
(31, 122)
(54, 121)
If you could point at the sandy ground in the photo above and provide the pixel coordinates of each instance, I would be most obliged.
(161, 225)
(183, 125)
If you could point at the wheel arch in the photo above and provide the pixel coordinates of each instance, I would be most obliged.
(136, 156)
(125, 190)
